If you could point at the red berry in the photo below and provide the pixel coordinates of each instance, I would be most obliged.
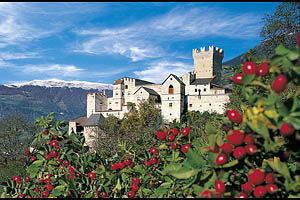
(104, 195)
(22, 195)
(298, 40)
(45, 194)
(286, 129)
(263, 69)
(226, 148)
(153, 160)
(234, 116)
(47, 180)
(131, 194)
(247, 187)
(27, 178)
(238, 79)
(279, 83)
(161, 135)
(185, 148)
(70, 170)
(250, 68)
(27, 152)
(69, 193)
(17, 178)
(251, 149)
(256, 176)
(147, 163)
(260, 191)
(48, 156)
(127, 162)
(171, 138)
(271, 188)
(270, 178)
(235, 137)
(242, 195)
(54, 137)
(174, 131)
(71, 176)
(121, 165)
(49, 187)
(131, 165)
(221, 159)
(45, 132)
(134, 188)
(206, 194)
(92, 175)
(53, 153)
(136, 181)
(66, 163)
(114, 166)
(32, 158)
(41, 181)
(220, 186)
(239, 152)
(249, 139)
(185, 131)
(54, 143)
(285, 155)
(97, 191)
(59, 160)
(173, 145)
(28, 196)
(36, 190)
(154, 150)
(215, 150)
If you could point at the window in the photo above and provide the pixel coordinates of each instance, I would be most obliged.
(196, 90)
(128, 93)
(204, 89)
(170, 104)
(117, 102)
(191, 105)
(210, 104)
(110, 102)
(116, 93)
(170, 78)
(171, 89)
(170, 114)
(141, 92)
(126, 86)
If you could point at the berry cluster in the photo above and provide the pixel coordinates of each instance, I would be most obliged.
(121, 164)
(134, 187)
(255, 184)
(220, 189)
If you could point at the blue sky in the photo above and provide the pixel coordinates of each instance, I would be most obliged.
(101, 42)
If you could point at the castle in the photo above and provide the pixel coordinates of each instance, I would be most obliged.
(198, 90)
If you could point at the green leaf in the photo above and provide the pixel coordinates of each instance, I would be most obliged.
(195, 159)
(35, 167)
(248, 78)
(230, 164)
(209, 129)
(179, 171)
(281, 50)
(293, 55)
(58, 190)
(295, 122)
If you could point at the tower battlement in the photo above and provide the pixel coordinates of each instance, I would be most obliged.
(211, 50)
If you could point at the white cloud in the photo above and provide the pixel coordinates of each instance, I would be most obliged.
(157, 72)
(53, 70)
(15, 56)
(145, 39)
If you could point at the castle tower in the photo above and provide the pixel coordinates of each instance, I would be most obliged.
(96, 102)
(208, 63)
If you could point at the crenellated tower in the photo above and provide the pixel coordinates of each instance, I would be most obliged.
(208, 64)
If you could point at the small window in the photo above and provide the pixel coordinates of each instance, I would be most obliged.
(171, 89)
(204, 89)
(170, 104)
(126, 86)
(191, 105)
(110, 102)
(196, 90)
(170, 114)
(117, 102)
(116, 93)
(210, 104)
(171, 79)
(128, 93)
(141, 92)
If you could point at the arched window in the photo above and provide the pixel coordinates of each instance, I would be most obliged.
(171, 89)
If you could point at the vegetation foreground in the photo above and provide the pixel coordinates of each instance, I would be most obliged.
(254, 154)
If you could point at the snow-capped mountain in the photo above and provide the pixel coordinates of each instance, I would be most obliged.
(61, 83)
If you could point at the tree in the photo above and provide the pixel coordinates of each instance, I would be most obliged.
(16, 133)
(282, 26)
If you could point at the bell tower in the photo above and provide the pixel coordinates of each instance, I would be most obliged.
(208, 64)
